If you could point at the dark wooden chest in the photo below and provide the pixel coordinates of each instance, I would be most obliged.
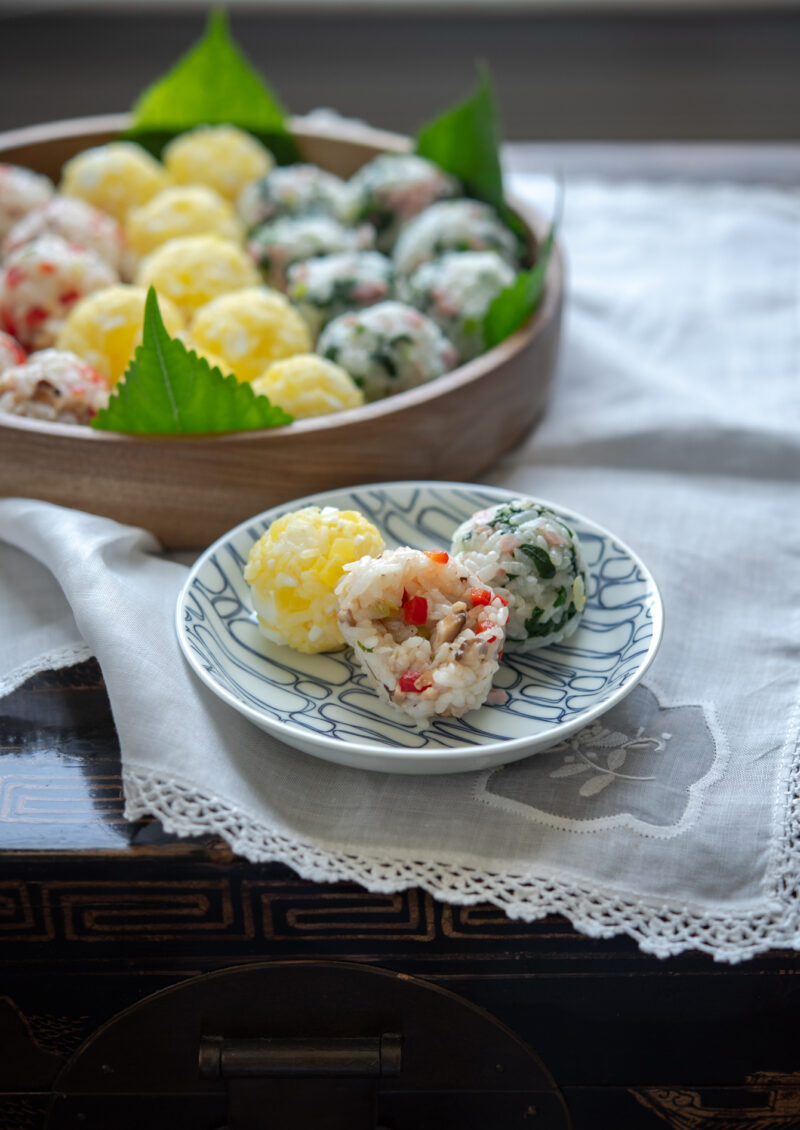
(148, 981)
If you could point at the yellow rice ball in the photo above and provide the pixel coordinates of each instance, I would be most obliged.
(250, 329)
(294, 567)
(105, 327)
(179, 211)
(223, 157)
(114, 177)
(196, 268)
(308, 385)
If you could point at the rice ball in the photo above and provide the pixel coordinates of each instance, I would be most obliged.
(307, 385)
(105, 328)
(329, 285)
(180, 211)
(387, 348)
(41, 282)
(531, 557)
(453, 225)
(222, 157)
(295, 190)
(75, 221)
(456, 291)
(294, 568)
(290, 239)
(393, 187)
(54, 385)
(20, 192)
(250, 329)
(427, 635)
(196, 268)
(11, 352)
(114, 177)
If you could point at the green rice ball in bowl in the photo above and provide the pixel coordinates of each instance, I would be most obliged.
(529, 556)
(387, 348)
(457, 291)
(454, 225)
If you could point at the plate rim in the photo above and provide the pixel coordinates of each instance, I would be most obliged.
(514, 746)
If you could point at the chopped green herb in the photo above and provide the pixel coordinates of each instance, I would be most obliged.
(363, 647)
(169, 389)
(541, 559)
(536, 629)
(561, 598)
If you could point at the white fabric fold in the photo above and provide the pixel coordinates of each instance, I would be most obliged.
(674, 422)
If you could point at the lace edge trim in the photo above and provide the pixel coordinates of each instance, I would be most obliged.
(662, 930)
(66, 656)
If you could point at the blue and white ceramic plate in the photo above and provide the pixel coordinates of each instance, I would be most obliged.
(322, 704)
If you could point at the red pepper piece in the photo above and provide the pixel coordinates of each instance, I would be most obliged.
(408, 682)
(14, 276)
(502, 599)
(69, 297)
(415, 610)
(437, 555)
(46, 268)
(35, 316)
(481, 596)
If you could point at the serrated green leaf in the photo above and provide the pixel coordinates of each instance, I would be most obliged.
(465, 141)
(212, 84)
(167, 389)
(516, 303)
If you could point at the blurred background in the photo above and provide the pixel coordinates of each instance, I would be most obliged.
(570, 70)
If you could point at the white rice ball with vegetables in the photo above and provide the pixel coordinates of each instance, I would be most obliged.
(329, 285)
(294, 568)
(20, 192)
(387, 348)
(393, 187)
(295, 190)
(75, 221)
(454, 225)
(528, 555)
(291, 239)
(54, 385)
(456, 291)
(41, 282)
(427, 634)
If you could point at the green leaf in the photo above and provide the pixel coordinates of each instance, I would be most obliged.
(213, 83)
(168, 389)
(465, 142)
(516, 303)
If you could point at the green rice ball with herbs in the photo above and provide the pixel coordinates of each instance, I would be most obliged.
(295, 190)
(456, 291)
(531, 557)
(275, 246)
(454, 225)
(326, 286)
(393, 187)
(387, 348)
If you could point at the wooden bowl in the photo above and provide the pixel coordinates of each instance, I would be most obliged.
(190, 489)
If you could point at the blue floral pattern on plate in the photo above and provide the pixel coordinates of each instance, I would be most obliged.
(323, 703)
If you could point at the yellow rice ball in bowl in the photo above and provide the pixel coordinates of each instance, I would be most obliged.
(105, 327)
(223, 157)
(214, 361)
(114, 178)
(180, 211)
(250, 329)
(294, 568)
(196, 268)
(308, 385)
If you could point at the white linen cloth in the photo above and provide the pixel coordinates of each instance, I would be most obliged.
(675, 422)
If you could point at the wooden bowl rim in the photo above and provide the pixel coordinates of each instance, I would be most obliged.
(462, 377)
